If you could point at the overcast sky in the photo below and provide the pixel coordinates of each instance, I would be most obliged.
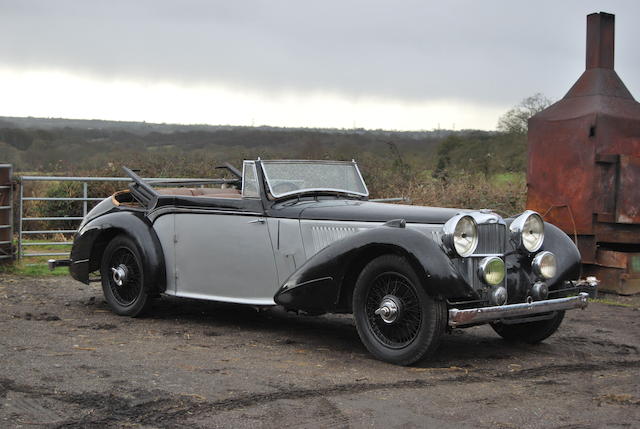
(373, 64)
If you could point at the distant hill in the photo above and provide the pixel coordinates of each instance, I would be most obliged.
(142, 128)
(97, 146)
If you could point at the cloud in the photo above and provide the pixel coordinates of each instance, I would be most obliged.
(492, 52)
(54, 94)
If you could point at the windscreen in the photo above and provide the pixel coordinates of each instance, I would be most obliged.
(292, 177)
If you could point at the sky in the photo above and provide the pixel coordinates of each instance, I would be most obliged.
(403, 65)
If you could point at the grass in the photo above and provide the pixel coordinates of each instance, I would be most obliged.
(613, 302)
(507, 178)
(37, 266)
(33, 270)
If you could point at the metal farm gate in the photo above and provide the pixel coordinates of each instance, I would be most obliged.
(25, 232)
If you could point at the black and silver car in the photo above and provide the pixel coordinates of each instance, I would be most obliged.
(305, 236)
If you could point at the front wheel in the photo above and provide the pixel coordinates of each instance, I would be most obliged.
(123, 278)
(530, 332)
(396, 320)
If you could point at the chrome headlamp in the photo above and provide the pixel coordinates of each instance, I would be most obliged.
(527, 230)
(461, 235)
(544, 265)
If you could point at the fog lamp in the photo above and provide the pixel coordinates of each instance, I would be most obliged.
(499, 296)
(544, 265)
(492, 270)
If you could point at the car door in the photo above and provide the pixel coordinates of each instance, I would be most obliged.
(226, 254)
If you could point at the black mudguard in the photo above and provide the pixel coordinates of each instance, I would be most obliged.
(567, 254)
(318, 283)
(86, 253)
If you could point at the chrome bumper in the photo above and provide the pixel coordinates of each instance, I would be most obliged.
(473, 316)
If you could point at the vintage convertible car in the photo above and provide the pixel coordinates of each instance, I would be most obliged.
(304, 235)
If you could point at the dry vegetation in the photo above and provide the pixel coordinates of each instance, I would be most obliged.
(467, 169)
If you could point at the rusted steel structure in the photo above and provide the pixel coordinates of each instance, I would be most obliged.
(584, 165)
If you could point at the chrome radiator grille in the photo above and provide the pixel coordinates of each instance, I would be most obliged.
(491, 238)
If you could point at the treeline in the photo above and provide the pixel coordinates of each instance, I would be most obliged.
(440, 167)
(66, 149)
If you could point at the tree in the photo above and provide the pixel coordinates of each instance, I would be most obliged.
(515, 120)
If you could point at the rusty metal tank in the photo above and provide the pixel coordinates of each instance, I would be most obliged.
(584, 164)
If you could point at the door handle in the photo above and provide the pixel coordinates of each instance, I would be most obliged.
(259, 220)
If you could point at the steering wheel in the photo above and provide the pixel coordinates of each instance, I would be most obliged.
(284, 187)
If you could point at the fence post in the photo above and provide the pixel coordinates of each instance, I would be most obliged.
(6, 213)
(85, 195)
(20, 216)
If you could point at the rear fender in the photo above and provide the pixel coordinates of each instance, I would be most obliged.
(92, 238)
(325, 281)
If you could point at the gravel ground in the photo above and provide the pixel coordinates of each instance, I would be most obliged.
(67, 361)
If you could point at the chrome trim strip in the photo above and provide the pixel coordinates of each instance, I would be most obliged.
(249, 301)
(288, 286)
(488, 314)
(366, 190)
(199, 210)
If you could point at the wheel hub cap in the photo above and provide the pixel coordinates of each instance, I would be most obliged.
(389, 309)
(119, 274)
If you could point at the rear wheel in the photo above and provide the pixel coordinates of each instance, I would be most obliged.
(396, 320)
(123, 278)
(531, 332)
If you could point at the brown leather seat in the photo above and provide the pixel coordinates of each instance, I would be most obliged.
(201, 192)
(174, 191)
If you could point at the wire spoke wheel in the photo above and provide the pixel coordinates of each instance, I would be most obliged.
(397, 320)
(125, 280)
(393, 310)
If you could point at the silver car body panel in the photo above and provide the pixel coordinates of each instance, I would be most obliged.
(287, 245)
(221, 257)
(243, 258)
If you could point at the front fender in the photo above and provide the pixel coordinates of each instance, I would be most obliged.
(567, 255)
(86, 252)
(520, 275)
(318, 283)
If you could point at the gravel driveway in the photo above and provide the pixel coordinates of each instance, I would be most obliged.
(67, 361)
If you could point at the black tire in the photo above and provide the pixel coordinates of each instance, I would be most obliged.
(420, 319)
(531, 332)
(130, 298)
